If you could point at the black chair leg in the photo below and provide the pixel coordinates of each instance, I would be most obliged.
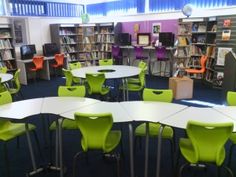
(75, 162)
(6, 160)
(118, 164)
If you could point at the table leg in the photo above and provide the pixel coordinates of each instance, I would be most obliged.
(149, 63)
(127, 90)
(60, 146)
(146, 151)
(159, 151)
(35, 169)
(131, 150)
(124, 88)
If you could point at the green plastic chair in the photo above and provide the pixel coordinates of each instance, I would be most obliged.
(17, 86)
(69, 91)
(205, 143)
(3, 69)
(231, 101)
(69, 77)
(2, 87)
(10, 130)
(168, 132)
(76, 65)
(143, 66)
(105, 62)
(96, 83)
(136, 87)
(96, 135)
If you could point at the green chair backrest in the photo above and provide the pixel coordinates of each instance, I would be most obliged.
(3, 69)
(142, 78)
(142, 65)
(17, 80)
(95, 81)
(158, 95)
(94, 129)
(231, 98)
(76, 65)
(76, 91)
(104, 62)
(5, 97)
(208, 140)
(69, 77)
(2, 87)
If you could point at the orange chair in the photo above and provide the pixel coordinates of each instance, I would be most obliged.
(38, 64)
(59, 58)
(203, 67)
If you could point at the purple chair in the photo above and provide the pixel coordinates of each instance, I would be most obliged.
(161, 54)
(138, 50)
(117, 54)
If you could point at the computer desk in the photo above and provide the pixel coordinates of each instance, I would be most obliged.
(44, 74)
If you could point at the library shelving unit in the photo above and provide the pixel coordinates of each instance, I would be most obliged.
(65, 36)
(88, 47)
(196, 37)
(7, 51)
(105, 39)
(225, 41)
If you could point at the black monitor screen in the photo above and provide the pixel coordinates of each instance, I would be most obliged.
(123, 39)
(27, 51)
(50, 49)
(167, 39)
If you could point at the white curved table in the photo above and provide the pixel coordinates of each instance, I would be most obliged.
(5, 77)
(111, 72)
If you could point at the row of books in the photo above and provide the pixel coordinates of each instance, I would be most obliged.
(5, 44)
(5, 34)
(106, 30)
(67, 49)
(6, 55)
(66, 31)
(67, 40)
(199, 27)
(8, 64)
(197, 50)
(105, 38)
(181, 52)
(209, 76)
(184, 29)
(194, 62)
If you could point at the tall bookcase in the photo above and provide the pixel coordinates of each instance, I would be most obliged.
(7, 51)
(65, 36)
(86, 43)
(225, 41)
(196, 37)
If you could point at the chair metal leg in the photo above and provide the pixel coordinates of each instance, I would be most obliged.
(230, 154)
(6, 159)
(117, 156)
(181, 169)
(75, 162)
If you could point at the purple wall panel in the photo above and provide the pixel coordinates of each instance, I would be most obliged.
(146, 27)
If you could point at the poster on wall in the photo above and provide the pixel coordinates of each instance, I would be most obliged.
(19, 26)
(156, 29)
(222, 51)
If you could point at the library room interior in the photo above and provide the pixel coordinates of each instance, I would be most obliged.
(116, 87)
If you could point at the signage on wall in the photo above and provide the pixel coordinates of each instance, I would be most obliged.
(156, 29)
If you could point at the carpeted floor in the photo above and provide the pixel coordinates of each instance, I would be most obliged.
(97, 166)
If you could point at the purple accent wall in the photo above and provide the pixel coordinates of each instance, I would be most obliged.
(146, 27)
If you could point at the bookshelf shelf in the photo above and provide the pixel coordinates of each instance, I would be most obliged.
(7, 50)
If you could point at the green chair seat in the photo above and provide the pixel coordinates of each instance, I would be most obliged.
(103, 91)
(13, 130)
(133, 80)
(67, 124)
(154, 130)
(133, 87)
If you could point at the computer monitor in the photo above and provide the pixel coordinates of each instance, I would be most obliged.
(50, 49)
(167, 39)
(27, 51)
(123, 39)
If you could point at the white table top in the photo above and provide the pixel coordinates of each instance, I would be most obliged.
(118, 112)
(5, 77)
(229, 111)
(59, 105)
(207, 115)
(21, 109)
(120, 71)
(151, 111)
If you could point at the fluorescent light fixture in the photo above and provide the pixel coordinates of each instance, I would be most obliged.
(80, 1)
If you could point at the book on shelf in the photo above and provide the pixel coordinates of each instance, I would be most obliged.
(182, 41)
(214, 28)
(210, 52)
(5, 34)
(6, 55)
(226, 35)
(201, 28)
(5, 44)
(8, 65)
(184, 29)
